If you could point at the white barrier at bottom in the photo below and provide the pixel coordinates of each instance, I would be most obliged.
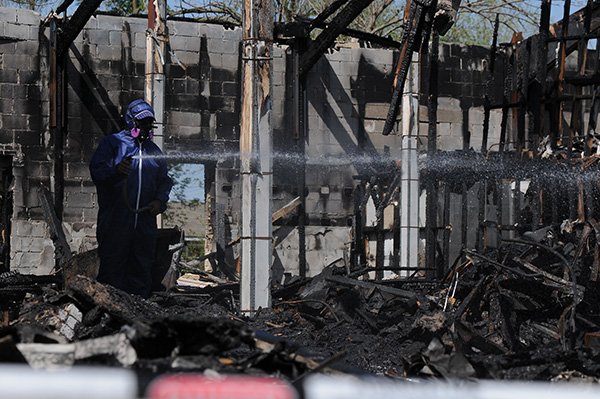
(324, 387)
(23, 382)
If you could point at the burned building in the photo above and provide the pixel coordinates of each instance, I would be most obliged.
(338, 193)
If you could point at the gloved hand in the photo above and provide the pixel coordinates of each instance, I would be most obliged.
(124, 167)
(154, 207)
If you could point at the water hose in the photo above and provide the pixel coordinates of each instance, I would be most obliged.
(126, 200)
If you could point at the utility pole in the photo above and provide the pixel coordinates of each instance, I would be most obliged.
(256, 155)
(154, 89)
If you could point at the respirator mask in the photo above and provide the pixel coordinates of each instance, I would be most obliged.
(143, 129)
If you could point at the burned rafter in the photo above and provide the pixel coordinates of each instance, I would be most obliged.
(361, 35)
(411, 36)
(328, 36)
(72, 28)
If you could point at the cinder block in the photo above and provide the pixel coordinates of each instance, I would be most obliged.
(185, 43)
(13, 122)
(215, 32)
(27, 137)
(178, 28)
(8, 75)
(30, 228)
(108, 23)
(17, 31)
(8, 48)
(230, 62)
(30, 244)
(30, 76)
(139, 39)
(8, 15)
(76, 170)
(449, 143)
(183, 118)
(105, 52)
(90, 215)
(79, 200)
(100, 37)
(227, 46)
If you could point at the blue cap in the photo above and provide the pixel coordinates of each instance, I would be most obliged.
(137, 110)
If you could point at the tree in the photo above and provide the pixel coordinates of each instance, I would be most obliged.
(476, 18)
(383, 17)
(124, 7)
(35, 5)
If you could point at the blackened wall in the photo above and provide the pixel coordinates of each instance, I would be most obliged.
(348, 95)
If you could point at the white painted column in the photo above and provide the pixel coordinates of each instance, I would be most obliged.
(409, 186)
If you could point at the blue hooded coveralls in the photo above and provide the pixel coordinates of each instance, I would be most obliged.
(126, 239)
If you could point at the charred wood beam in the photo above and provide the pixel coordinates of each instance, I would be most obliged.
(471, 339)
(488, 84)
(431, 222)
(413, 26)
(503, 318)
(576, 22)
(62, 249)
(361, 35)
(365, 270)
(326, 38)
(120, 305)
(322, 366)
(555, 281)
(591, 35)
(364, 284)
(540, 82)
(464, 305)
(73, 27)
(497, 265)
(596, 265)
(561, 76)
(545, 247)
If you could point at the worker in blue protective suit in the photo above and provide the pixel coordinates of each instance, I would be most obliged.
(133, 187)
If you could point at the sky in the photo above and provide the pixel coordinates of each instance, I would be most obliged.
(194, 190)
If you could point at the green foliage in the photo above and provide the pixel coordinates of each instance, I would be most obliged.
(181, 182)
(475, 22)
(35, 5)
(124, 7)
(193, 250)
(384, 17)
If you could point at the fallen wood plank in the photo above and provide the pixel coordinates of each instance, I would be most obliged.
(286, 209)
(365, 284)
(119, 304)
(568, 285)
(57, 356)
(62, 250)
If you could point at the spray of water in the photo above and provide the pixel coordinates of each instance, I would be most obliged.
(439, 165)
(506, 167)
(289, 158)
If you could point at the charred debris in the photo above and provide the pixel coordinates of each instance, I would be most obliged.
(519, 302)
(526, 310)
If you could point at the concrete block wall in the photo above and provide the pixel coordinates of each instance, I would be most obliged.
(463, 76)
(348, 97)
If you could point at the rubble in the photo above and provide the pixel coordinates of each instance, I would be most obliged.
(528, 310)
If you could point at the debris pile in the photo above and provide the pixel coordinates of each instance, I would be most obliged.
(528, 310)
